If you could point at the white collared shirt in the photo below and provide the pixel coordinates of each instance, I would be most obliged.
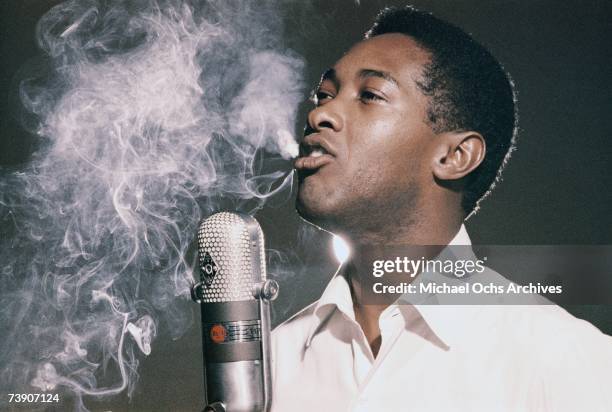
(440, 358)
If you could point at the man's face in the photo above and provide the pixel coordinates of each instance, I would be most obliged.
(365, 154)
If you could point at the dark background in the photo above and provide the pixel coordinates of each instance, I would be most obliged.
(556, 189)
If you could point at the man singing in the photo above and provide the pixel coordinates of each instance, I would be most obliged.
(411, 130)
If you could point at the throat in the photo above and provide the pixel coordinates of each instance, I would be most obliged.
(374, 342)
(367, 318)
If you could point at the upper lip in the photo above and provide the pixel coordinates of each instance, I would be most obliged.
(315, 140)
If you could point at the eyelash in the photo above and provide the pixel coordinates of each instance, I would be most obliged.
(317, 96)
(370, 96)
(364, 96)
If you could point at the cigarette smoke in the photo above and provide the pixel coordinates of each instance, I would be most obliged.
(150, 112)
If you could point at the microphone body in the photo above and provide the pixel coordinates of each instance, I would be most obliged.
(234, 295)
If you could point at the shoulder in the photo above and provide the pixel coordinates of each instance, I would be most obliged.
(557, 354)
(537, 319)
(556, 328)
(562, 351)
(534, 315)
(539, 330)
(546, 323)
(570, 356)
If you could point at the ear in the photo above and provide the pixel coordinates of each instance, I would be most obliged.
(457, 153)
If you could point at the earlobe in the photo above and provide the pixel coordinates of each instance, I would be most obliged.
(458, 154)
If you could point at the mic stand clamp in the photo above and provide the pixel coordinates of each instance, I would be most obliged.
(266, 290)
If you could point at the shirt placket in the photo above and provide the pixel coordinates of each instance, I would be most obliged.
(365, 366)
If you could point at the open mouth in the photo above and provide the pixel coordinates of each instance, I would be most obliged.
(312, 157)
(315, 151)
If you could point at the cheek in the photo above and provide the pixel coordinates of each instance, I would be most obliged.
(397, 170)
(396, 150)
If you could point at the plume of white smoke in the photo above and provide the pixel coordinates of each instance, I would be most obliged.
(151, 111)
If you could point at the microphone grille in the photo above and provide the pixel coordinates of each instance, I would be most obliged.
(231, 257)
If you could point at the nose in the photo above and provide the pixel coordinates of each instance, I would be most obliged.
(324, 117)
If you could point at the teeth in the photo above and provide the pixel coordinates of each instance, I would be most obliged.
(316, 153)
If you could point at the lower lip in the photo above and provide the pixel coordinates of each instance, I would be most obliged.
(312, 163)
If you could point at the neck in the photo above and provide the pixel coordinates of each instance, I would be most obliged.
(371, 245)
(432, 220)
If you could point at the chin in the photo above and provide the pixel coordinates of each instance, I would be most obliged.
(312, 209)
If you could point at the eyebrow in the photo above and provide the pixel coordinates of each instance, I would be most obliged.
(365, 73)
(330, 74)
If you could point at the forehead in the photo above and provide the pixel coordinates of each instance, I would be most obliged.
(395, 53)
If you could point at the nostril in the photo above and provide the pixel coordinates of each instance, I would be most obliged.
(308, 130)
(326, 124)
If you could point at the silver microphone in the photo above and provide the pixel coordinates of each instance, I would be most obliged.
(234, 296)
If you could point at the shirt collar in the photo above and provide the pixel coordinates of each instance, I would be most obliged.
(461, 238)
(442, 317)
(337, 295)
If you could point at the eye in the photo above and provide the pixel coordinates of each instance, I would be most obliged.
(368, 95)
(318, 97)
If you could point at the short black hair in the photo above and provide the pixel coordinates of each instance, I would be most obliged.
(467, 87)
